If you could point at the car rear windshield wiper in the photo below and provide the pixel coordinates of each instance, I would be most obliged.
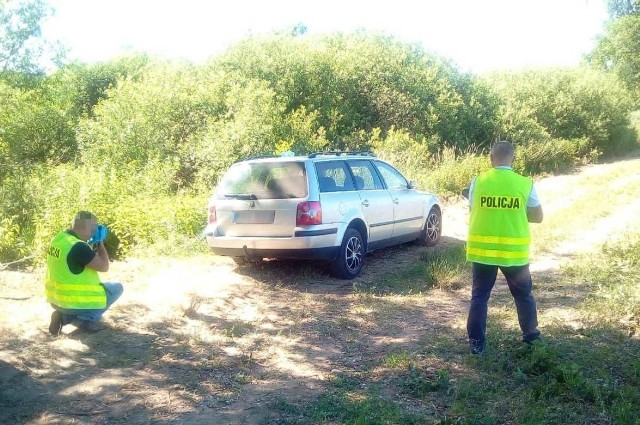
(241, 195)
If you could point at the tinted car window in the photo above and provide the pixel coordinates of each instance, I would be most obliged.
(264, 180)
(333, 176)
(392, 177)
(365, 176)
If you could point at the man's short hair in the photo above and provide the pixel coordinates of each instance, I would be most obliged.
(82, 215)
(502, 150)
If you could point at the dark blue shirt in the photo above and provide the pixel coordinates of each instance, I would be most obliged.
(79, 256)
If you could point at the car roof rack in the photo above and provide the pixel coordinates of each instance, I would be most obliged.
(287, 154)
(340, 153)
(258, 157)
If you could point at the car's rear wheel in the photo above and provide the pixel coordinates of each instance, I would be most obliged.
(240, 261)
(432, 228)
(245, 261)
(351, 256)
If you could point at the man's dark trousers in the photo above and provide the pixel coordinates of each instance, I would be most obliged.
(519, 281)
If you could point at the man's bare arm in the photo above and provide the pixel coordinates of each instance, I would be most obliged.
(534, 214)
(100, 262)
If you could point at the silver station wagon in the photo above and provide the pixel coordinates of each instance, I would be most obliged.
(332, 206)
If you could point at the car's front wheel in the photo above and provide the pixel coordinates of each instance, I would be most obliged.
(351, 256)
(432, 228)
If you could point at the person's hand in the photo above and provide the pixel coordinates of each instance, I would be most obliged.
(99, 235)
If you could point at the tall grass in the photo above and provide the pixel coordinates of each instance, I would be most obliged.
(455, 169)
(141, 216)
(614, 276)
(444, 268)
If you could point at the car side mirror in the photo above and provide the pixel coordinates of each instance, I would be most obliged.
(413, 184)
(465, 192)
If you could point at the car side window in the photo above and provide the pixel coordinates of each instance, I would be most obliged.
(333, 176)
(365, 176)
(392, 177)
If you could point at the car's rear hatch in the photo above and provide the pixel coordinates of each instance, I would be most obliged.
(267, 218)
(260, 199)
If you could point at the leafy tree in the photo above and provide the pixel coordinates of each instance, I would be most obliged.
(299, 29)
(21, 47)
(91, 82)
(572, 104)
(38, 121)
(37, 125)
(620, 8)
(617, 51)
(191, 122)
(359, 82)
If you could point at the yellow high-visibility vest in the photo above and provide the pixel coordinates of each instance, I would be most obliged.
(498, 227)
(66, 289)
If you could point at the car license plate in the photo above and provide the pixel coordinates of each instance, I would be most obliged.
(254, 217)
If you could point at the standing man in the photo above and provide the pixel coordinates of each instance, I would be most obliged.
(72, 285)
(502, 203)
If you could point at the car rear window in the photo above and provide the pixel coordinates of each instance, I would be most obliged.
(264, 180)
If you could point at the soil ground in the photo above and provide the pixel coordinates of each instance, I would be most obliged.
(200, 341)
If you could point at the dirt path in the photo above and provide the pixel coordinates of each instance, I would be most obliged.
(200, 341)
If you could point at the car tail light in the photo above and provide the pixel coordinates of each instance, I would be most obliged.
(212, 214)
(308, 213)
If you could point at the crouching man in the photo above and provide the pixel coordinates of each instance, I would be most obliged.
(72, 285)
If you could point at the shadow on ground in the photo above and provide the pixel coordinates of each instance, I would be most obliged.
(315, 276)
(312, 351)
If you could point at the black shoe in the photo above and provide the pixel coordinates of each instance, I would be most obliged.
(476, 347)
(536, 340)
(90, 327)
(55, 326)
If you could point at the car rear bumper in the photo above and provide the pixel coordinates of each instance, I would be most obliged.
(320, 244)
(329, 253)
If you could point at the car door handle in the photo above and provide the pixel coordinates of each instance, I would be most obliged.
(396, 201)
(365, 203)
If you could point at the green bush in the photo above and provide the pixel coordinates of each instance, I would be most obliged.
(358, 82)
(19, 207)
(567, 104)
(404, 152)
(140, 222)
(37, 125)
(136, 212)
(455, 171)
(553, 155)
(12, 246)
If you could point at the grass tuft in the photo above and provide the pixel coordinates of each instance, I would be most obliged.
(419, 383)
(445, 268)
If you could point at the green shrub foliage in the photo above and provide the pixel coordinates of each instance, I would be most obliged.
(617, 51)
(358, 82)
(565, 104)
(142, 143)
